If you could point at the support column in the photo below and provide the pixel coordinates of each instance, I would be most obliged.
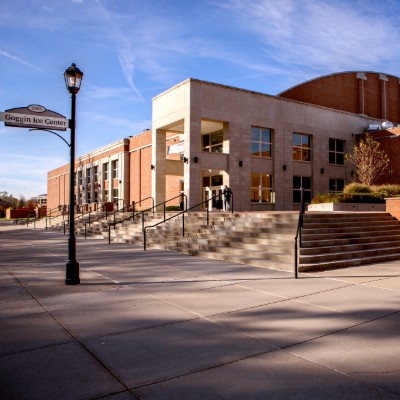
(158, 171)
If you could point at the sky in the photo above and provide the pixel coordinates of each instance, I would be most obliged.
(131, 51)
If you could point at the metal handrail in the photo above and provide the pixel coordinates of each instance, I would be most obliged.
(140, 202)
(297, 239)
(142, 213)
(219, 196)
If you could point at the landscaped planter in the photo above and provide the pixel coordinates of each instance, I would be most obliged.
(346, 207)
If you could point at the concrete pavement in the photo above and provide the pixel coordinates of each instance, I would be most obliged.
(160, 325)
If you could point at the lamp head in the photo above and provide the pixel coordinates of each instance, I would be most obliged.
(73, 78)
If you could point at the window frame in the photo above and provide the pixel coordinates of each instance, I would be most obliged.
(335, 184)
(211, 147)
(106, 171)
(258, 142)
(260, 190)
(299, 148)
(335, 153)
(115, 169)
(307, 189)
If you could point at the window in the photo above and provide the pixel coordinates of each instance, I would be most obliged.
(336, 151)
(89, 197)
(213, 142)
(96, 174)
(336, 185)
(115, 196)
(301, 147)
(298, 183)
(115, 165)
(261, 142)
(88, 177)
(80, 178)
(261, 188)
(105, 171)
(106, 195)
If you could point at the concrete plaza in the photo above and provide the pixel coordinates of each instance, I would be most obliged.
(161, 325)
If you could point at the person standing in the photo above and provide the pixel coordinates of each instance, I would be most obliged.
(227, 198)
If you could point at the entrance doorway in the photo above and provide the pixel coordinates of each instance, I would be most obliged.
(210, 193)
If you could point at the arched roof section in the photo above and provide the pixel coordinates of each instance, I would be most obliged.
(374, 94)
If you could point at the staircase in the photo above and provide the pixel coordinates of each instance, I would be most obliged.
(265, 239)
(259, 239)
(338, 240)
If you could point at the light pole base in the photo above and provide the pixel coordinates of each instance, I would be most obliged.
(72, 273)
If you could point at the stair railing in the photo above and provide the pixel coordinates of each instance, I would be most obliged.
(142, 213)
(297, 239)
(89, 213)
(207, 202)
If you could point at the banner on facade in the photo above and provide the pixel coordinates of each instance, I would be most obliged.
(35, 117)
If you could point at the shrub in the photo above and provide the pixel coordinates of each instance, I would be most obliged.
(173, 208)
(388, 190)
(356, 187)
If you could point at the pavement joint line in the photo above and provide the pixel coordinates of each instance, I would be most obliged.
(75, 339)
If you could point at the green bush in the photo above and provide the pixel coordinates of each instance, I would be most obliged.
(173, 208)
(359, 193)
(356, 187)
(389, 190)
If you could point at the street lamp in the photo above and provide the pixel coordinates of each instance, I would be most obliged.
(73, 78)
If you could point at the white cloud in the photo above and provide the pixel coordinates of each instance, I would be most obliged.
(19, 60)
(323, 36)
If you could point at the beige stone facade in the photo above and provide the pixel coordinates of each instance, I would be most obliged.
(204, 136)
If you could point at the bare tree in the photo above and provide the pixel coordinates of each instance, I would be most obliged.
(369, 160)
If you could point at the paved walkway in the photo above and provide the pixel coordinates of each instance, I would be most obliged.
(159, 325)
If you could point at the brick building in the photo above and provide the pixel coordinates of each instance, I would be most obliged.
(265, 148)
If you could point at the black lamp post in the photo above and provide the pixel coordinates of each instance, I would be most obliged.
(73, 78)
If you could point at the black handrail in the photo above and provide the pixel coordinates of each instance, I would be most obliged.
(104, 206)
(297, 239)
(143, 211)
(140, 202)
(219, 196)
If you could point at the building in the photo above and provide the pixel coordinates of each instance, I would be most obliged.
(205, 135)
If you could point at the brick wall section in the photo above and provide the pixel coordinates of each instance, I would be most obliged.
(344, 92)
(140, 170)
(393, 207)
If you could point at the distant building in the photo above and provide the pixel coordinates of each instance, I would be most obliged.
(265, 148)
(42, 200)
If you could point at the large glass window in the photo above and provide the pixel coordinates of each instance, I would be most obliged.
(261, 142)
(336, 185)
(115, 167)
(298, 183)
(261, 188)
(88, 175)
(301, 147)
(213, 142)
(336, 151)
(96, 173)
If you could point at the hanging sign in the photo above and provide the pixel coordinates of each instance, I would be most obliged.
(35, 117)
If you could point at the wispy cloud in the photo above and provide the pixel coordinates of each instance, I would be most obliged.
(321, 36)
(19, 60)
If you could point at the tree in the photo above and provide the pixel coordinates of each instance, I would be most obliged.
(370, 162)
(9, 198)
(21, 202)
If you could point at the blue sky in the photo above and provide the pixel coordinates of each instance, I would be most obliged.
(132, 50)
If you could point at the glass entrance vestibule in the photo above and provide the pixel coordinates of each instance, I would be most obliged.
(212, 190)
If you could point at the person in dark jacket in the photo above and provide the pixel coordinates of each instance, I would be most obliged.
(227, 198)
